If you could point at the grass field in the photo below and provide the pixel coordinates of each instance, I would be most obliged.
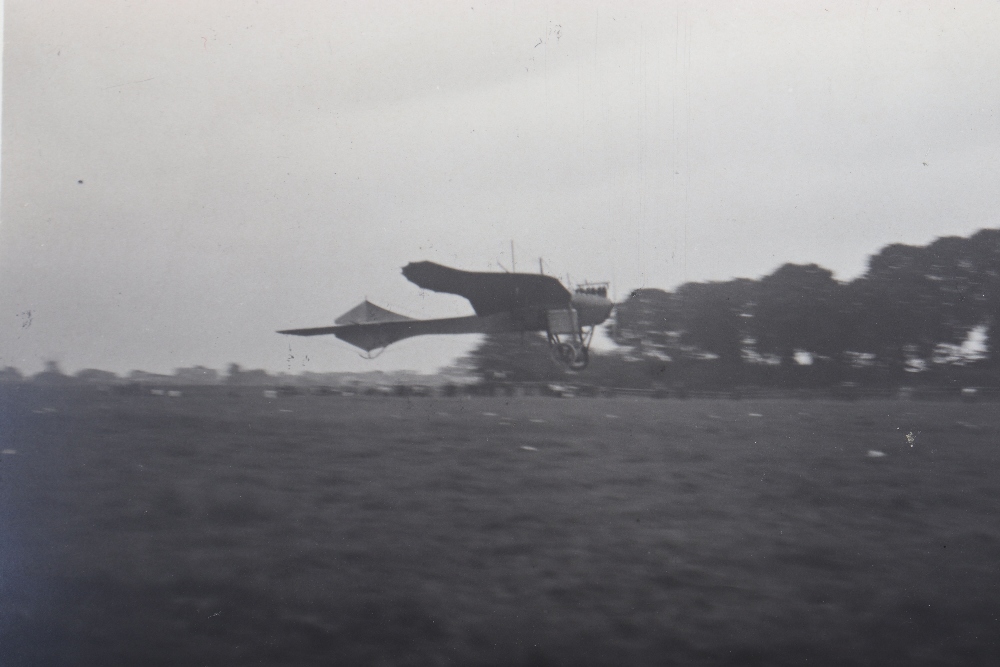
(227, 530)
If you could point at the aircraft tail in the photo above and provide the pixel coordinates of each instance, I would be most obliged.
(365, 326)
(368, 327)
(368, 313)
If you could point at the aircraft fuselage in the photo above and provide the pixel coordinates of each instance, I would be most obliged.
(591, 309)
(503, 303)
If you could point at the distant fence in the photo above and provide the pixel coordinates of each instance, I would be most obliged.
(562, 390)
(970, 394)
(845, 391)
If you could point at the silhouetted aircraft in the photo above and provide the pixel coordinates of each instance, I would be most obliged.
(503, 303)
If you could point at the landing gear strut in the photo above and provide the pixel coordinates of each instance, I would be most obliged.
(571, 350)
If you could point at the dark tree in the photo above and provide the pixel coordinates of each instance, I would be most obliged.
(697, 334)
(52, 375)
(10, 374)
(233, 373)
(513, 358)
(959, 286)
(714, 319)
(647, 323)
(796, 309)
(983, 265)
(910, 301)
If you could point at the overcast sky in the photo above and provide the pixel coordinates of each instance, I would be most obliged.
(180, 179)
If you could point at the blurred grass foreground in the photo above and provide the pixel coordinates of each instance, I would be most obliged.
(221, 529)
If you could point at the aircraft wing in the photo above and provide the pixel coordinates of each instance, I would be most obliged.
(491, 293)
(374, 335)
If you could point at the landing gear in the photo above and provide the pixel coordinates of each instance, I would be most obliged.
(571, 350)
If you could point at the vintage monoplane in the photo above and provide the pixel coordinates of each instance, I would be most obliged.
(503, 303)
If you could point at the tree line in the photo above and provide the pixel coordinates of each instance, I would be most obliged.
(918, 315)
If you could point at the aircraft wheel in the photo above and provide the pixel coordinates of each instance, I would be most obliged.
(563, 353)
(580, 359)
